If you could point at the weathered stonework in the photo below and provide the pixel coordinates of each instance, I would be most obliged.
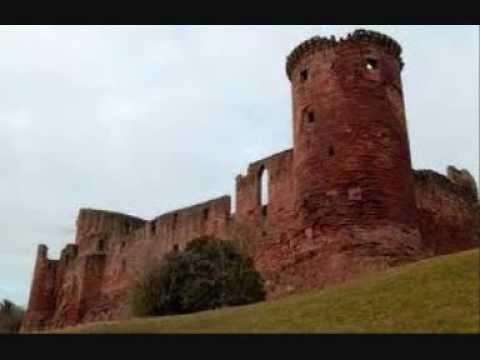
(343, 201)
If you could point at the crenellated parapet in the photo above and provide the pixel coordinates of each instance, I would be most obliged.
(319, 43)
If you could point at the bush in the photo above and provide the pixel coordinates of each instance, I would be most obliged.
(208, 274)
(11, 317)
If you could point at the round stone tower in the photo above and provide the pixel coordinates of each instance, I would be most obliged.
(352, 167)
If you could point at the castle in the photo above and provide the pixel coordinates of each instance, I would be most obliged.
(342, 201)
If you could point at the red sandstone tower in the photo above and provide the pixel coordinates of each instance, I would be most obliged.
(352, 169)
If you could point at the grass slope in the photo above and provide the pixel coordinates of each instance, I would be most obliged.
(436, 296)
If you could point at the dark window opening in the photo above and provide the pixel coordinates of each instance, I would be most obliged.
(264, 233)
(100, 245)
(331, 151)
(123, 244)
(175, 248)
(371, 64)
(205, 214)
(153, 227)
(305, 203)
(175, 218)
(264, 210)
(310, 117)
(304, 75)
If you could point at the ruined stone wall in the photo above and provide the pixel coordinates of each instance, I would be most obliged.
(97, 229)
(447, 212)
(270, 225)
(41, 304)
(343, 201)
(93, 277)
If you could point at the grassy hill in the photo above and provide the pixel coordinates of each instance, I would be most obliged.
(436, 295)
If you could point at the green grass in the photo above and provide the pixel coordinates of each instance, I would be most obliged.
(439, 295)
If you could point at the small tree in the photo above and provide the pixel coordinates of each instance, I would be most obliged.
(11, 317)
(208, 274)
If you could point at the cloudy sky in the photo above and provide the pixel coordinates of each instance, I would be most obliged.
(145, 119)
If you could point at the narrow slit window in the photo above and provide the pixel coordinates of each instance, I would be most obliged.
(205, 214)
(100, 245)
(304, 75)
(331, 151)
(264, 210)
(175, 219)
(153, 227)
(175, 248)
(310, 117)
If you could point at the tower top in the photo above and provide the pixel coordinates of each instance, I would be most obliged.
(318, 43)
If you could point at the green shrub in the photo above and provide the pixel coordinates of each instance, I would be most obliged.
(11, 317)
(208, 274)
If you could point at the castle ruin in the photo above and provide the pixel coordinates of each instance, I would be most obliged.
(342, 201)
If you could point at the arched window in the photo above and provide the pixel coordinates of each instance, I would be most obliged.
(263, 184)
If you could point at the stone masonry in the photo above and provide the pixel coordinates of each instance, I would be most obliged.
(343, 201)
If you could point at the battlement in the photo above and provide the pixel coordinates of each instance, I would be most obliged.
(318, 43)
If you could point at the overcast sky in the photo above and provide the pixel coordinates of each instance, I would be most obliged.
(145, 119)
